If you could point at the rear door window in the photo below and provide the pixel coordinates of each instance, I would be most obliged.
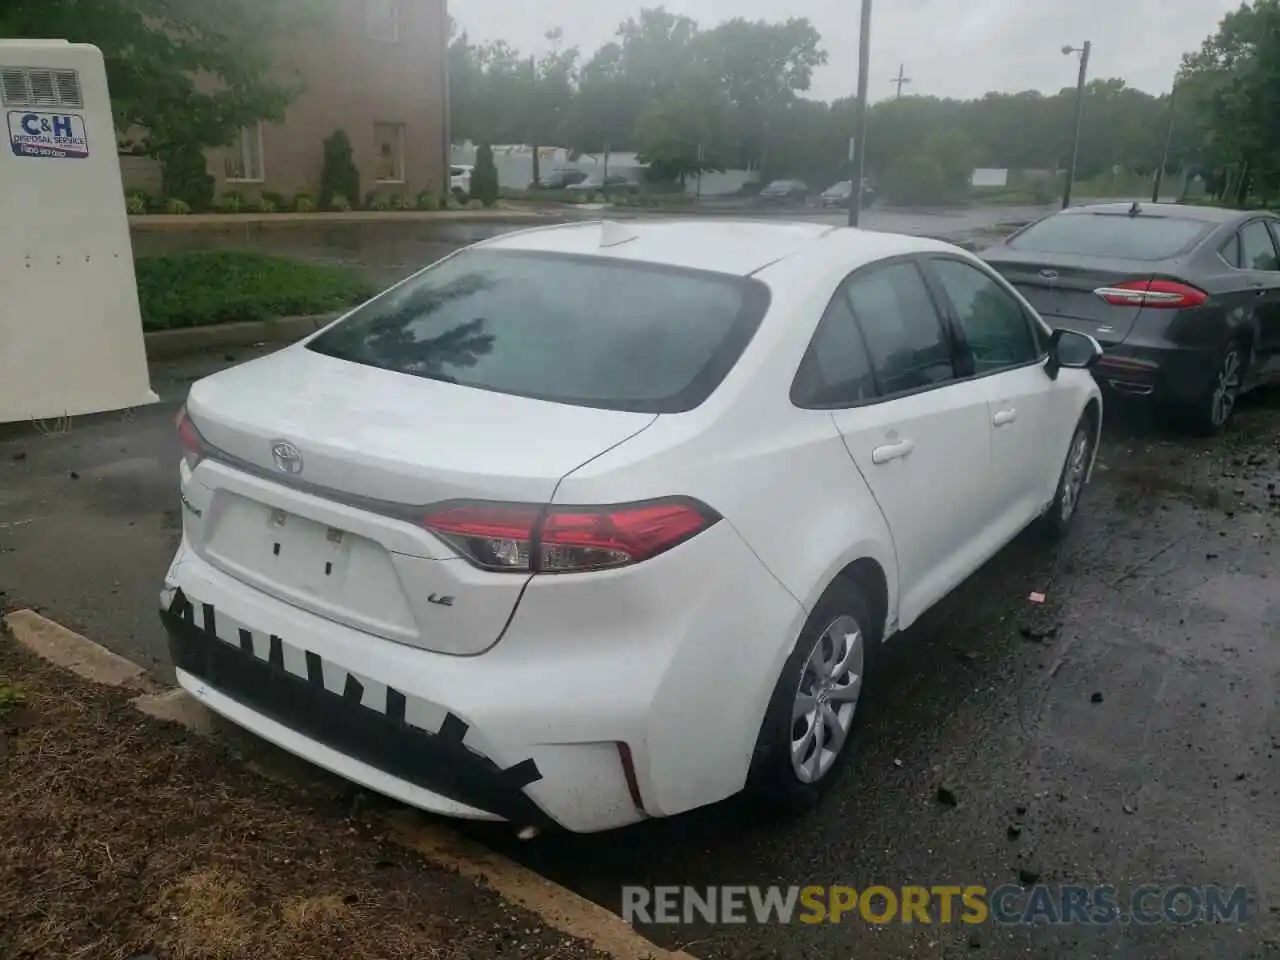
(836, 371)
(583, 330)
(1111, 235)
(1257, 250)
(1230, 251)
(904, 334)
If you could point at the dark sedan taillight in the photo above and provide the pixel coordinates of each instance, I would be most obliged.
(1160, 294)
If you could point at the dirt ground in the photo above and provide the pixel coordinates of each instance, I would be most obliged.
(123, 836)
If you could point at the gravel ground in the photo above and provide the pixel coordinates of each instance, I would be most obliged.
(122, 836)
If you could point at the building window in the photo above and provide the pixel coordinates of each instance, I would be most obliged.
(384, 20)
(389, 138)
(244, 156)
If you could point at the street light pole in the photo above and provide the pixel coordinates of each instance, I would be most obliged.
(860, 115)
(1075, 142)
(1164, 153)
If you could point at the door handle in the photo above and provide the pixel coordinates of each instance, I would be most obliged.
(892, 451)
(1004, 416)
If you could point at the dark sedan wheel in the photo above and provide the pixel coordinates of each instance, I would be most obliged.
(1213, 412)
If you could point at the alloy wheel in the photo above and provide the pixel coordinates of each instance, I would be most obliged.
(1226, 388)
(826, 698)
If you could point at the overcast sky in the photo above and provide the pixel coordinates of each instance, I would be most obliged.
(956, 48)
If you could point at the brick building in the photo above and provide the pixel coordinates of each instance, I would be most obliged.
(377, 71)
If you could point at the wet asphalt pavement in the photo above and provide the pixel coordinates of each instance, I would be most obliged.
(1126, 729)
(391, 250)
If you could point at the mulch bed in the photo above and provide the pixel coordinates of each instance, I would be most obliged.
(121, 836)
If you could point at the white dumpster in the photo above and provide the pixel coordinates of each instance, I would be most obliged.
(70, 330)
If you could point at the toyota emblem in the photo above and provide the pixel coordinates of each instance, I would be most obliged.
(287, 457)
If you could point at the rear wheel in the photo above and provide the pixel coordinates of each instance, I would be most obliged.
(805, 733)
(1211, 414)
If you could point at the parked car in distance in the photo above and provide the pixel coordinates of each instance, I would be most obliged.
(1185, 300)
(599, 522)
(784, 191)
(613, 183)
(837, 195)
(560, 178)
(460, 178)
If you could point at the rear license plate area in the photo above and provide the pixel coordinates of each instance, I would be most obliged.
(305, 554)
(283, 548)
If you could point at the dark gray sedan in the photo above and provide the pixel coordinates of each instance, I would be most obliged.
(1185, 300)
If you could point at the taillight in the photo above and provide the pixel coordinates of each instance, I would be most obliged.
(189, 437)
(1163, 294)
(526, 538)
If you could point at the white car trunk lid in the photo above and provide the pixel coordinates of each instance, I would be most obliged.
(318, 470)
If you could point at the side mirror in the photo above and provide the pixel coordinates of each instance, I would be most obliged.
(1072, 350)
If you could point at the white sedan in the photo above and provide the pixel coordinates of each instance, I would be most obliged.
(598, 522)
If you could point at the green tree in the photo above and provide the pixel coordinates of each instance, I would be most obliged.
(1233, 85)
(484, 178)
(762, 67)
(339, 176)
(682, 132)
(155, 51)
(937, 171)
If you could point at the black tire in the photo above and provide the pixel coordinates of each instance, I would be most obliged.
(773, 783)
(1058, 519)
(1208, 416)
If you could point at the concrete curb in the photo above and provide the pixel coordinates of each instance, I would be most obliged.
(168, 344)
(558, 906)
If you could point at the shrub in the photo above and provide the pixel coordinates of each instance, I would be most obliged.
(202, 287)
(278, 200)
(184, 175)
(453, 203)
(484, 178)
(427, 200)
(373, 201)
(266, 204)
(339, 176)
(175, 205)
(10, 697)
(303, 203)
(340, 203)
(475, 203)
(400, 202)
(233, 201)
(136, 203)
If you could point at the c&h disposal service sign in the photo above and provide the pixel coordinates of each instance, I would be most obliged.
(54, 135)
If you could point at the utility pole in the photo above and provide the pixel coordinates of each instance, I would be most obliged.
(446, 125)
(899, 81)
(860, 123)
(1164, 153)
(1075, 142)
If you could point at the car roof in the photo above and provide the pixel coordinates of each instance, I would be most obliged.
(738, 247)
(1180, 211)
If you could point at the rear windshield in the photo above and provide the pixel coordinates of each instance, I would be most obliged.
(587, 331)
(1111, 235)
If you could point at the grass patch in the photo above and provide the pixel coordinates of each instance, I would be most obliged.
(199, 288)
(10, 696)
